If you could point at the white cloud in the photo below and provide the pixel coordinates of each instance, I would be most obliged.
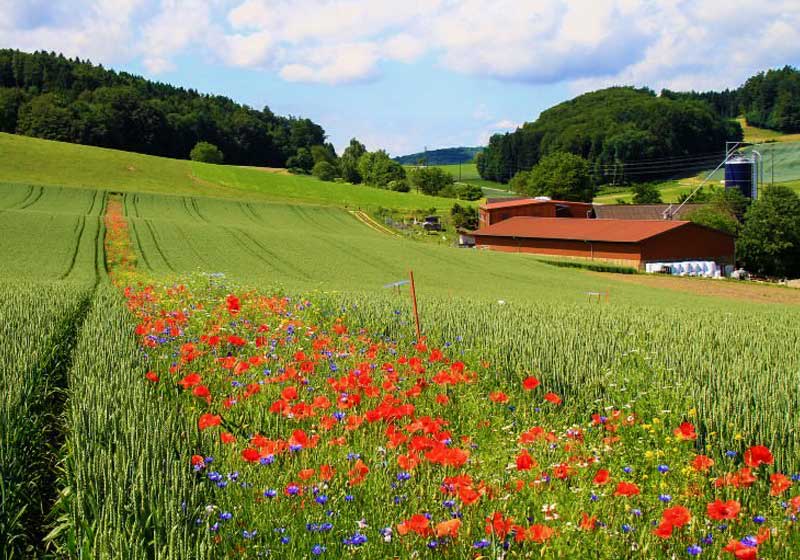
(662, 43)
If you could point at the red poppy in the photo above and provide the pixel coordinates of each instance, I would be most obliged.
(588, 523)
(719, 510)
(448, 528)
(702, 463)
(208, 420)
(190, 381)
(741, 551)
(525, 461)
(540, 533)
(498, 397)
(250, 455)
(779, 484)
(530, 383)
(758, 455)
(664, 530)
(677, 516)
(553, 398)
(626, 489)
(202, 392)
(417, 523)
(225, 437)
(498, 525)
(151, 376)
(197, 460)
(601, 477)
(685, 431)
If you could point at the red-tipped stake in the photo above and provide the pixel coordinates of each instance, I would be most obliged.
(414, 299)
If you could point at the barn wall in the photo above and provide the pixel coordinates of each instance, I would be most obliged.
(689, 242)
(624, 253)
(536, 210)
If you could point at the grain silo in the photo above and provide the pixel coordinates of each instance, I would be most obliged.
(741, 173)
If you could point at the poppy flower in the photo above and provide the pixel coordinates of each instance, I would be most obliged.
(498, 525)
(553, 398)
(758, 455)
(190, 381)
(498, 397)
(448, 528)
(741, 551)
(226, 437)
(530, 383)
(525, 461)
(208, 420)
(588, 523)
(417, 523)
(779, 484)
(685, 431)
(702, 463)
(151, 376)
(540, 533)
(719, 510)
(677, 516)
(601, 477)
(626, 489)
(663, 530)
(250, 455)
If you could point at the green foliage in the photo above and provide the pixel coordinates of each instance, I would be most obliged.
(301, 162)
(467, 191)
(49, 96)
(561, 176)
(588, 265)
(207, 153)
(770, 240)
(378, 169)
(433, 181)
(348, 163)
(324, 171)
(464, 217)
(716, 218)
(607, 127)
(646, 193)
(772, 100)
(443, 156)
(324, 152)
(399, 185)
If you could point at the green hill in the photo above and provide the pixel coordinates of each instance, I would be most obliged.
(44, 162)
(442, 156)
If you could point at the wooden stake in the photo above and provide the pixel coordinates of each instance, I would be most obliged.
(414, 299)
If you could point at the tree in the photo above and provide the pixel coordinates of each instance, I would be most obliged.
(325, 171)
(46, 116)
(561, 176)
(431, 180)
(467, 191)
(464, 217)
(770, 239)
(348, 163)
(9, 105)
(324, 152)
(646, 193)
(399, 185)
(378, 169)
(206, 152)
(301, 162)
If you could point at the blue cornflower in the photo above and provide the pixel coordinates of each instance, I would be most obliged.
(318, 549)
(339, 415)
(225, 515)
(356, 540)
(433, 544)
(664, 497)
(749, 541)
(295, 447)
(270, 493)
(663, 469)
(627, 470)
(349, 498)
(730, 454)
(626, 528)
(759, 519)
(268, 460)
(322, 499)
(636, 512)
(249, 534)
(694, 549)
(353, 456)
(708, 539)
(285, 539)
(214, 528)
(448, 504)
(403, 476)
(594, 497)
(483, 543)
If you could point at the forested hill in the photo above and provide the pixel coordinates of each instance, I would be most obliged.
(767, 100)
(609, 126)
(49, 96)
(443, 156)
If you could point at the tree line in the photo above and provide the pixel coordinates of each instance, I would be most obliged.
(49, 96)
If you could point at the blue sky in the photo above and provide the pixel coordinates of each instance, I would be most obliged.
(405, 75)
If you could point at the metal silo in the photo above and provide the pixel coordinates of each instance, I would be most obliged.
(741, 173)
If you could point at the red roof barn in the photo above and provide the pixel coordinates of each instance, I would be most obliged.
(631, 242)
(494, 212)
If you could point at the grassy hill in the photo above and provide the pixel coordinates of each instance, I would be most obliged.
(44, 162)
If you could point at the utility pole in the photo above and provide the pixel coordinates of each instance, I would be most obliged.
(772, 163)
(459, 171)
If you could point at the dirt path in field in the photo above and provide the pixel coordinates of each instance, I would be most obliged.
(760, 293)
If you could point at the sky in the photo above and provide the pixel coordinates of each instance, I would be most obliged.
(403, 75)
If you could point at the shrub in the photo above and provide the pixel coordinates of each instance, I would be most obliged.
(399, 185)
(206, 152)
(466, 191)
(324, 171)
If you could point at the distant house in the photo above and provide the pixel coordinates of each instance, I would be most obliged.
(643, 211)
(630, 242)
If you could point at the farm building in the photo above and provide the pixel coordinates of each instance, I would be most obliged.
(643, 211)
(494, 212)
(630, 242)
